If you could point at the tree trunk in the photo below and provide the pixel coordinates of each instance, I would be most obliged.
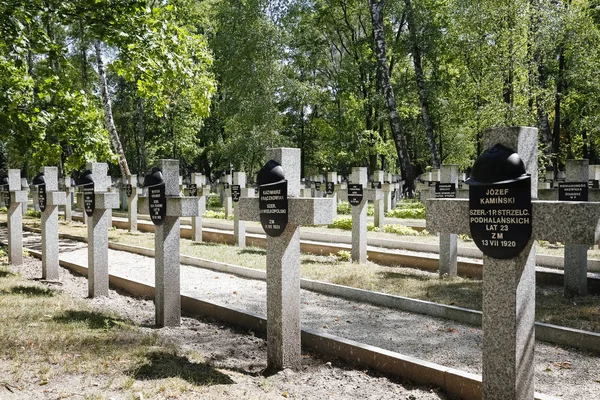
(560, 88)
(108, 116)
(388, 92)
(141, 137)
(420, 78)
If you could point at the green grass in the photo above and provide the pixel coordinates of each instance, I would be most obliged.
(48, 337)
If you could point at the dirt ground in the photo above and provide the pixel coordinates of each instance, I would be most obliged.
(238, 356)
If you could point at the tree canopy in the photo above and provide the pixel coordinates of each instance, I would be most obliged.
(394, 85)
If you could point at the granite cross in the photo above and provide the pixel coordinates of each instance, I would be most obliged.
(359, 212)
(167, 286)
(509, 284)
(237, 191)
(98, 205)
(197, 189)
(448, 244)
(131, 191)
(69, 198)
(16, 198)
(49, 199)
(283, 261)
(379, 209)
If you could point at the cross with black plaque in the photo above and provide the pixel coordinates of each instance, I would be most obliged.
(279, 184)
(98, 204)
(358, 197)
(505, 223)
(16, 197)
(167, 206)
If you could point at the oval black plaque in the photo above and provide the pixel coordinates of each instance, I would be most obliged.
(594, 184)
(355, 193)
(193, 189)
(89, 199)
(128, 190)
(573, 191)
(273, 207)
(42, 196)
(445, 190)
(6, 197)
(157, 203)
(329, 187)
(236, 192)
(500, 217)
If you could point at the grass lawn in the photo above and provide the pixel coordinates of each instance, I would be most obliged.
(551, 306)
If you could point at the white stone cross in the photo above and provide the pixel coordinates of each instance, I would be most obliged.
(359, 213)
(239, 226)
(97, 229)
(448, 244)
(509, 284)
(167, 286)
(199, 180)
(15, 217)
(132, 202)
(379, 209)
(54, 198)
(283, 261)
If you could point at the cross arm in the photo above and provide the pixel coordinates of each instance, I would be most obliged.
(18, 196)
(177, 206)
(106, 200)
(302, 210)
(56, 198)
(567, 222)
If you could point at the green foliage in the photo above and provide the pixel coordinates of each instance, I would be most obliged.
(402, 230)
(32, 213)
(343, 256)
(214, 214)
(344, 223)
(344, 208)
(415, 213)
(213, 202)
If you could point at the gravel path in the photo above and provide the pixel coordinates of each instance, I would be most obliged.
(444, 342)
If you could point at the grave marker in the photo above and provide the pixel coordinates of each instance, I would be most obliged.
(239, 190)
(448, 244)
(575, 255)
(16, 198)
(98, 205)
(358, 197)
(283, 261)
(378, 209)
(131, 191)
(198, 190)
(509, 284)
(50, 198)
(166, 238)
(69, 198)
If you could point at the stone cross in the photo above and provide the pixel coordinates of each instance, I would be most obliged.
(333, 178)
(509, 284)
(227, 202)
(15, 217)
(69, 198)
(359, 214)
(575, 258)
(167, 297)
(97, 229)
(54, 198)
(448, 245)
(202, 192)
(379, 210)
(239, 226)
(132, 202)
(388, 187)
(283, 261)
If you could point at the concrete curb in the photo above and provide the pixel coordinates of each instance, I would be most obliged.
(555, 334)
(455, 382)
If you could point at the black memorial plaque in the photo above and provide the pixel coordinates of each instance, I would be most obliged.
(594, 184)
(445, 190)
(42, 196)
(573, 191)
(193, 189)
(355, 193)
(500, 217)
(376, 185)
(273, 207)
(158, 203)
(6, 195)
(329, 188)
(128, 190)
(225, 185)
(236, 192)
(89, 199)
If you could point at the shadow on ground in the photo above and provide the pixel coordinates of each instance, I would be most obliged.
(163, 365)
(94, 320)
(30, 291)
